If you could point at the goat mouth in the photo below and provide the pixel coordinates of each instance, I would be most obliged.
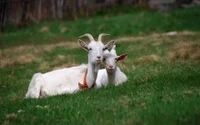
(98, 61)
(110, 70)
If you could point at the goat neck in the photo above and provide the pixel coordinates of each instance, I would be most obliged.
(92, 73)
(112, 75)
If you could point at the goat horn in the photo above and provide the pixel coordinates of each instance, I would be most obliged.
(89, 36)
(114, 47)
(102, 34)
(113, 50)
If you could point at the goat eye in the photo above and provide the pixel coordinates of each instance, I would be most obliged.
(104, 59)
(90, 48)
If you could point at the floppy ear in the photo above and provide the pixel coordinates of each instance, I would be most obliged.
(83, 45)
(121, 57)
(109, 45)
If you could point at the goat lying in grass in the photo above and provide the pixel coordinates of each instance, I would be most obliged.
(66, 80)
(111, 74)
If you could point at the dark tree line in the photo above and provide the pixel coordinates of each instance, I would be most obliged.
(21, 12)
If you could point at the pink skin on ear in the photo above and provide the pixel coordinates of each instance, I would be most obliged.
(121, 57)
(109, 45)
(82, 44)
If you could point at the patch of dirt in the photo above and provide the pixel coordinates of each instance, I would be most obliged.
(44, 66)
(61, 58)
(187, 44)
(29, 53)
(50, 47)
(18, 55)
(64, 29)
(147, 59)
(12, 116)
(27, 58)
(175, 33)
(132, 39)
(185, 54)
(188, 33)
(45, 29)
(186, 51)
(156, 35)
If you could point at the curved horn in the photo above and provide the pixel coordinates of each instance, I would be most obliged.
(89, 36)
(102, 34)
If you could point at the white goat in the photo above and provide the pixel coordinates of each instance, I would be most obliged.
(66, 80)
(111, 74)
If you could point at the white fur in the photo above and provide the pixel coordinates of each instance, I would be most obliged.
(110, 75)
(56, 82)
(66, 80)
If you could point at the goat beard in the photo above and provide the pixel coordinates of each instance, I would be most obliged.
(97, 67)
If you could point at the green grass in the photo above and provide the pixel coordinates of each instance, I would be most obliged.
(163, 71)
(135, 23)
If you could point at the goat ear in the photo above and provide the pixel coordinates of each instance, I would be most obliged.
(82, 44)
(109, 45)
(121, 57)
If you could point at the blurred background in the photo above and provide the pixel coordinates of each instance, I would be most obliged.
(24, 12)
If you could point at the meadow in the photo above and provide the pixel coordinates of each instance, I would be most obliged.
(163, 70)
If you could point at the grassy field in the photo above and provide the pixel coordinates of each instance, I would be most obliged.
(163, 70)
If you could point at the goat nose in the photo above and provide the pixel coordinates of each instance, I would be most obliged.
(111, 66)
(99, 57)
